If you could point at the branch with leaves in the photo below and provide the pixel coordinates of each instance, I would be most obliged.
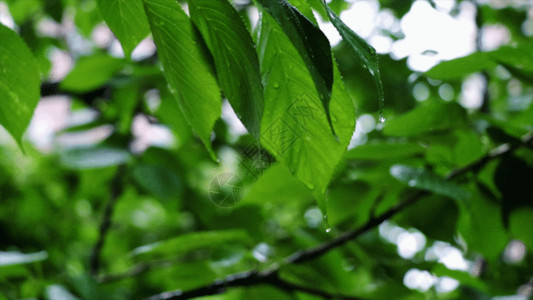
(271, 276)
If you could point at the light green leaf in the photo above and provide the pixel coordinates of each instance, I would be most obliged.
(295, 127)
(127, 20)
(185, 67)
(427, 117)
(19, 83)
(189, 242)
(312, 45)
(457, 68)
(93, 157)
(91, 72)
(235, 58)
(17, 258)
(364, 52)
(426, 180)
(519, 58)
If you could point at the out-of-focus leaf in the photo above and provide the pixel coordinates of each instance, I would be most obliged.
(518, 57)
(434, 215)
(189, 242)
(427, 117)
(521, 222)
(58, 292)
(91, 72)
(93, 157)
(457, 68)
(127, 20)
(186, 69)
(17, 258)
(365, 53)
(426, 180)
(295, 127)
(159, 180)
(382, 151)
(22, 10)
(235, 58)
(312, 45)
(480, 224)
(464, 278)
(19, 83)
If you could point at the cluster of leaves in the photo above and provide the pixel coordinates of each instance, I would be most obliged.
(101, 221)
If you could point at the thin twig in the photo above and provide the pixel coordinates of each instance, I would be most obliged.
(271, 277)
(116, 191)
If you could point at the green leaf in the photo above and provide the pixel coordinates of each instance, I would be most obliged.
(127, 20)
(312, 45)
(19, 83)
(457, 68)
(384, 151)
(236, 61)
(521, 222)
(480, 224)
(427, 117)
(294, 126)
(158, 180)
(188, 74)
(365, 53)
(518, 57)
(17, 258)
(93, 157)
(189, 242)
(91, 72)
(426, 180)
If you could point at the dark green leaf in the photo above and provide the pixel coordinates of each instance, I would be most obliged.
(127, 20)
(365, 53)
(426, 180)
(235, 58)
(19, 83)
(312, 45)
(158, 180)
(186, 69)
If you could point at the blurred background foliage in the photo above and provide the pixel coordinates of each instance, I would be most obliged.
(106, 135)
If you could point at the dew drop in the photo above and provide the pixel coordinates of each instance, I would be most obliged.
(328, 229)
(310, 186)
(276, 85)
(381, 119)
(412, 182)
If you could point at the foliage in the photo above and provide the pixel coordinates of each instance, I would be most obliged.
(287, 210)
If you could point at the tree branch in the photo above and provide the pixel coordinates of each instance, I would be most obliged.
(116, 191)
(271, 276)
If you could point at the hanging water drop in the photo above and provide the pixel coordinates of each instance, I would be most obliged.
(381, 118)
(328, 229)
